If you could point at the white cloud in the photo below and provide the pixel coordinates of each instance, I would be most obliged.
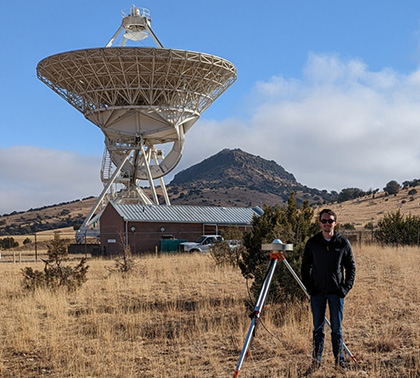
(32, 177)
(339, 126)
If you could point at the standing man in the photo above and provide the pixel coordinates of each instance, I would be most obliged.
(328, 272)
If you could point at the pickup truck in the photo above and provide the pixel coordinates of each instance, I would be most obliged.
(202, 244)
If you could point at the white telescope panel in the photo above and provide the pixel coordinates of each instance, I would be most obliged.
(174, 83)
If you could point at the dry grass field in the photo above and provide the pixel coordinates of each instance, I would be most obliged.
(181, 316)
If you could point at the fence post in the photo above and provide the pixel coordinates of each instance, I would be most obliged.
(36, 249)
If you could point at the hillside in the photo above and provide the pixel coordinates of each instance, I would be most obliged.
(52, 217)
(361, 211)
(229, 178)
(237, 178)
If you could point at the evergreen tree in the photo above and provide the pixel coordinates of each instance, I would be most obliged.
(8, 242)
(394, 229)
(350, 193)
(292, 226)
(392, 187)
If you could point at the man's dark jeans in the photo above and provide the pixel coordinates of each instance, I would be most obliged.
(336, 306)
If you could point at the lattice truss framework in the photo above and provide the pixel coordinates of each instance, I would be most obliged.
(177, 82)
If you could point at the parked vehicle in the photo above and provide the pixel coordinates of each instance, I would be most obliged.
(202, 244)
(234, 244)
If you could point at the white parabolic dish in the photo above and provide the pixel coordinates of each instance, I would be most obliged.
(129, 92)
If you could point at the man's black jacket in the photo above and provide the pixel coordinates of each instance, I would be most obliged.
(324, 263)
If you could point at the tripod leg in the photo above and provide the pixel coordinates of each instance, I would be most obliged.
(256, 313)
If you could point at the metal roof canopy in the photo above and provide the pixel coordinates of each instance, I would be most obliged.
(186, 214)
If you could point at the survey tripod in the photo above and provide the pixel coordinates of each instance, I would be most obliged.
(276, 253)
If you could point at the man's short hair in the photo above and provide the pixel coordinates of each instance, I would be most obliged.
(328, 211)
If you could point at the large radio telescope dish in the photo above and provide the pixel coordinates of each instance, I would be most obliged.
(141, 98)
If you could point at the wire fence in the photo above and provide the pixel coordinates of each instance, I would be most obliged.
(36, 250)
(31, 256)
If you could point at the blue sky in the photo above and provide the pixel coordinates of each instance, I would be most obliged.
(328, 89)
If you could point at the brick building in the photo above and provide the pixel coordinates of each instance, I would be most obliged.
(144, 226)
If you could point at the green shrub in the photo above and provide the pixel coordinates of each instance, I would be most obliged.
(396, 229)
(8, 242)
(225, 253)
(292, 226)
(56, 273)
(348, 226)
(124, 263)
(369, 226)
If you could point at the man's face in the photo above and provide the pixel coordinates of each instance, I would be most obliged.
(327, 223)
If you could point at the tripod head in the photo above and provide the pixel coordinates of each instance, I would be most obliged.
(277, 245)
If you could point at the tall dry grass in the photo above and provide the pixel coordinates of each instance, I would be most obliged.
(180, 316)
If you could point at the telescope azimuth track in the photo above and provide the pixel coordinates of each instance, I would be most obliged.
(142, 98)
